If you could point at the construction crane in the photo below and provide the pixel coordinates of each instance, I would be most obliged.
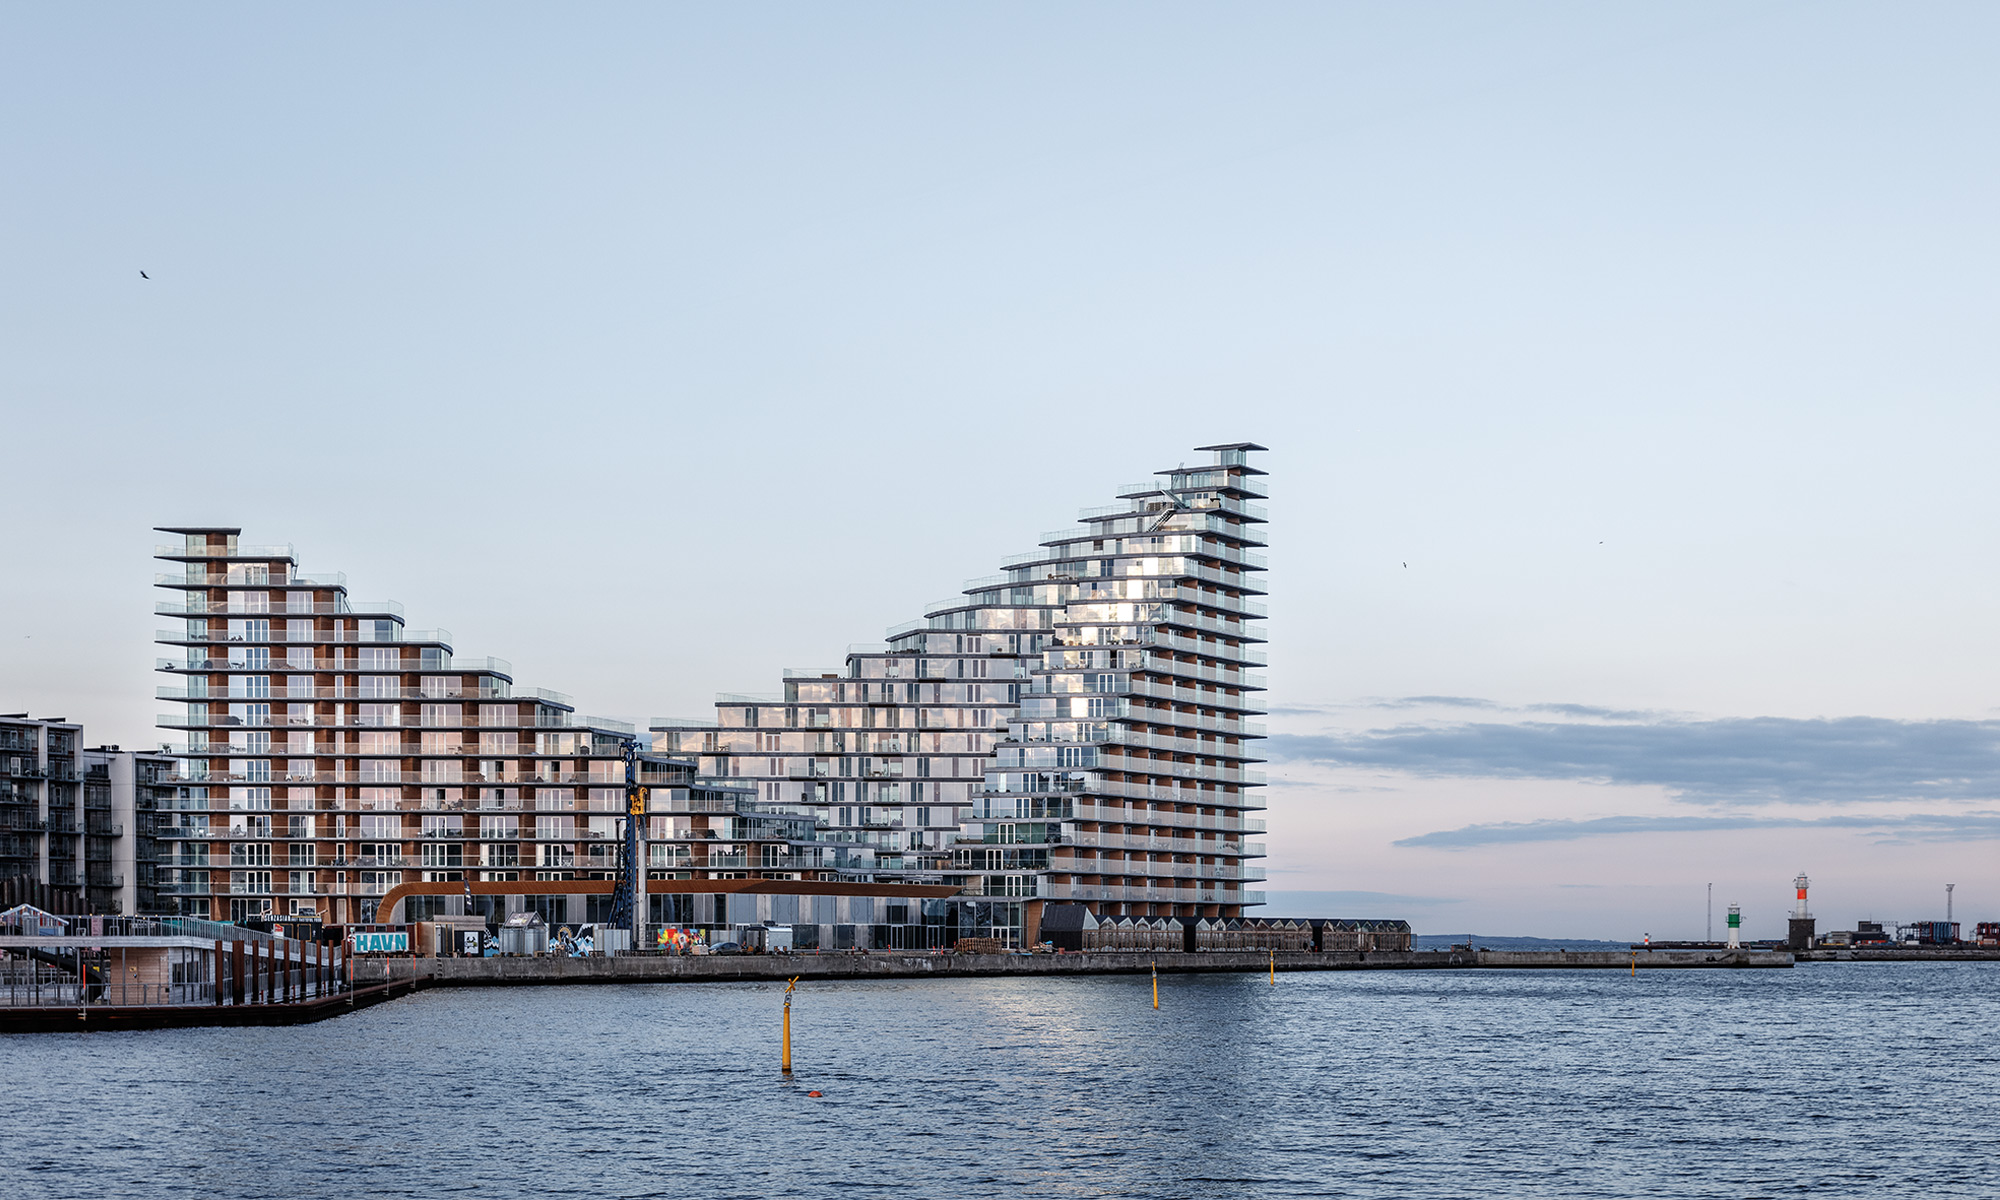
(628, 911)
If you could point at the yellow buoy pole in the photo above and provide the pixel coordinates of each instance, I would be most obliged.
(790, 984)
(1156, 985)
(1274, 966)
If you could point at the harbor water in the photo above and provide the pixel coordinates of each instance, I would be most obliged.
(1830, 1079)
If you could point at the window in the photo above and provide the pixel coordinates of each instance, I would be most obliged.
(250, 714)
(498, 828)
(250, 799)
(380, 687)
(251, 631)
(299, 658)
(499, 714)
(381, 658)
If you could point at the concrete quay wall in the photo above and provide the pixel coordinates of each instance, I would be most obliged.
(1902, 954)
(646, 968)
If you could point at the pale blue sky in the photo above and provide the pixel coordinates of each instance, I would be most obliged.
(657, 349)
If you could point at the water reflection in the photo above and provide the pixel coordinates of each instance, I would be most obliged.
(1846, 1078)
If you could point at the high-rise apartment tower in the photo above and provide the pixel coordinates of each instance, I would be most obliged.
(1075, 729)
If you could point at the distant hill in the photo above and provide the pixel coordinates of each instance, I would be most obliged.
(1440, 941)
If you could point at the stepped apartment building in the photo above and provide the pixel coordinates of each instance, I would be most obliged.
(1075, 729)
(333, 755)
(79, 819)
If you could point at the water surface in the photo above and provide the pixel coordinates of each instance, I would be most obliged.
(1833, 1079)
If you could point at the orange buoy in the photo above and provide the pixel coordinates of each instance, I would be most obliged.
(820, 1094)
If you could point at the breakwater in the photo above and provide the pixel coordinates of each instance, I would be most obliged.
(647, 968)
(380, 979)
(1901, 954)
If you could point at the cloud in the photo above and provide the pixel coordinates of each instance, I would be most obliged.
(1475, 702)
(1736, 760)
(1912, 827)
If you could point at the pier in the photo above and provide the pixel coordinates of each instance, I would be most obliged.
(659, 968)
(377, 979)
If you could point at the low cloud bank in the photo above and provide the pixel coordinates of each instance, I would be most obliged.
(1912, 827)
(1732, 761)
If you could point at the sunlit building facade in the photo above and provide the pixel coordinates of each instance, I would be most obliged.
(1075, 729)
(332, 753)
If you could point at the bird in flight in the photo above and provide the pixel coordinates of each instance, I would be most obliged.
(1406, 566)
(143, 275)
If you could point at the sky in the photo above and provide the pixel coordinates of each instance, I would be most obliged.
(1627, 373)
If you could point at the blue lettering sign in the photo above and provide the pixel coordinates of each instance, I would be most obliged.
(379, 943)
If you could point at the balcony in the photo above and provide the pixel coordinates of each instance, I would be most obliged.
(232, 550)
(198, 577)
(225, 608)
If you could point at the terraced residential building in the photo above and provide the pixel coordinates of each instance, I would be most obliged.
(1075, 729)
(332, 753)
(334, 756)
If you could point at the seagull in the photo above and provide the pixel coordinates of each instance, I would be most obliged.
(143, 275)
(1406, 566)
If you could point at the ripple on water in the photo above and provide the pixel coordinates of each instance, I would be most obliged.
(1835, 1079)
